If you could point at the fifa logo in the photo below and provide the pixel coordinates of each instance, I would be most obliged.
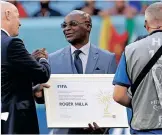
(61, 86)
(105, 99)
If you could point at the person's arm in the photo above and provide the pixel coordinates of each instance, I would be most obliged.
(122, 83)
(120, 96)
(23, 62)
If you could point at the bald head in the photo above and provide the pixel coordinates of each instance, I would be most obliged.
(82, 14)
(153, 14)
(6, 7)
(9, 18)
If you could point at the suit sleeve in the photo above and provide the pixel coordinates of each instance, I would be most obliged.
(40, 100)
(23, 62)
(112, 65)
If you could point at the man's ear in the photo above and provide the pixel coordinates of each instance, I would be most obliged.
(89, 26)
(147, 28)
(8, 14)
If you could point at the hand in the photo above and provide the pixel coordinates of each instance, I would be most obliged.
(39, 91)
(95, 129)
(40, 53)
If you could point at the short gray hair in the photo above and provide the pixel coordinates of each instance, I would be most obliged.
(154, 12)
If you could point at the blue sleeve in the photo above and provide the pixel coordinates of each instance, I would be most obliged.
(121, 77)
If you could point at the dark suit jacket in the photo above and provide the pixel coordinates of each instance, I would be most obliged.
(19, 70)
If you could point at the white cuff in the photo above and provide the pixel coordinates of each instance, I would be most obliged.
(44, 59)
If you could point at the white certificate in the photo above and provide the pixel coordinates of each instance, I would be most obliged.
(76, 100)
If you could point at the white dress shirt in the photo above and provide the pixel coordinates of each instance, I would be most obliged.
(83, 56)
(5, 31)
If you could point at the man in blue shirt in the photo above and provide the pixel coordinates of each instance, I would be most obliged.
(122, 79)
(130, 65)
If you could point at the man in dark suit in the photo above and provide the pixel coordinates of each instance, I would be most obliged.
(81, 57)
(19, 71)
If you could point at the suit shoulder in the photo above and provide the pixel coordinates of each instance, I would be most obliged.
(56, 53)
(106, 52)
(6, 39)
(15, 42)
(11, 42)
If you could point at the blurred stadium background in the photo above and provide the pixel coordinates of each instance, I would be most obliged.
(115, 25)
